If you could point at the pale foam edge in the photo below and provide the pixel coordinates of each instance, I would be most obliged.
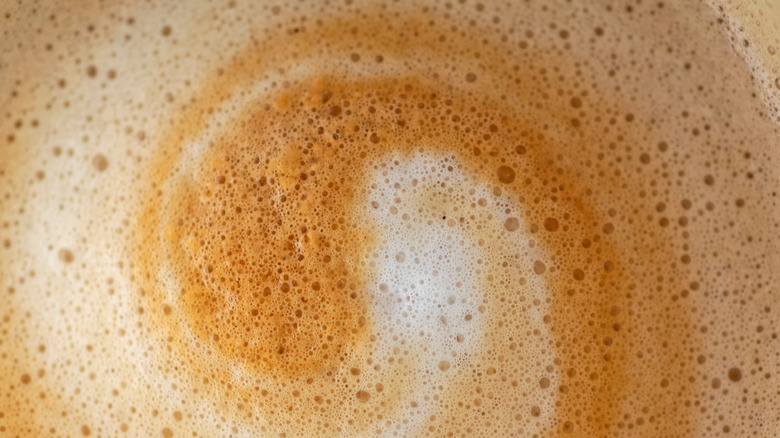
(756, 31)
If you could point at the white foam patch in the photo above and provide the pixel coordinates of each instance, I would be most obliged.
(434, 273)
(428, 266)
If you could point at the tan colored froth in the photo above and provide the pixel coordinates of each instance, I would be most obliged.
(754, 32)
(448, 219)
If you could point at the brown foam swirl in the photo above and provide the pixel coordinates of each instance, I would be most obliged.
(275, 185)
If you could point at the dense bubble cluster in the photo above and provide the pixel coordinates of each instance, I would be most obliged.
(452, 219)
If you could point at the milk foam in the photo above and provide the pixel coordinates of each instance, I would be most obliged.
(433, 268)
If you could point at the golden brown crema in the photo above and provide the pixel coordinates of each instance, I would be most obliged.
(335, 219)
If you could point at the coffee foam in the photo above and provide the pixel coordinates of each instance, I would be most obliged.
(424, 287)
(754, 33)
(564, 264)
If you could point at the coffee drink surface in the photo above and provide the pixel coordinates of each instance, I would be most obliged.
(389, 219)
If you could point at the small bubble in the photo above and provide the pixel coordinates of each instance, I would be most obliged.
(65, 255)
(512, 224)
(471, 77)
(363, 396)
(506, 174)
(100, 162)
(444, 365)
(735, 374)
(551, 224)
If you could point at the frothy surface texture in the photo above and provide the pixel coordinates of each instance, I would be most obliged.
(453, 219)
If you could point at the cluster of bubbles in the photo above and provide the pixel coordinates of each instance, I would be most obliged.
(453, 219)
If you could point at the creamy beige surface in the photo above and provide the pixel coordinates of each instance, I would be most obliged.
(753, 27)
(389, 219)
